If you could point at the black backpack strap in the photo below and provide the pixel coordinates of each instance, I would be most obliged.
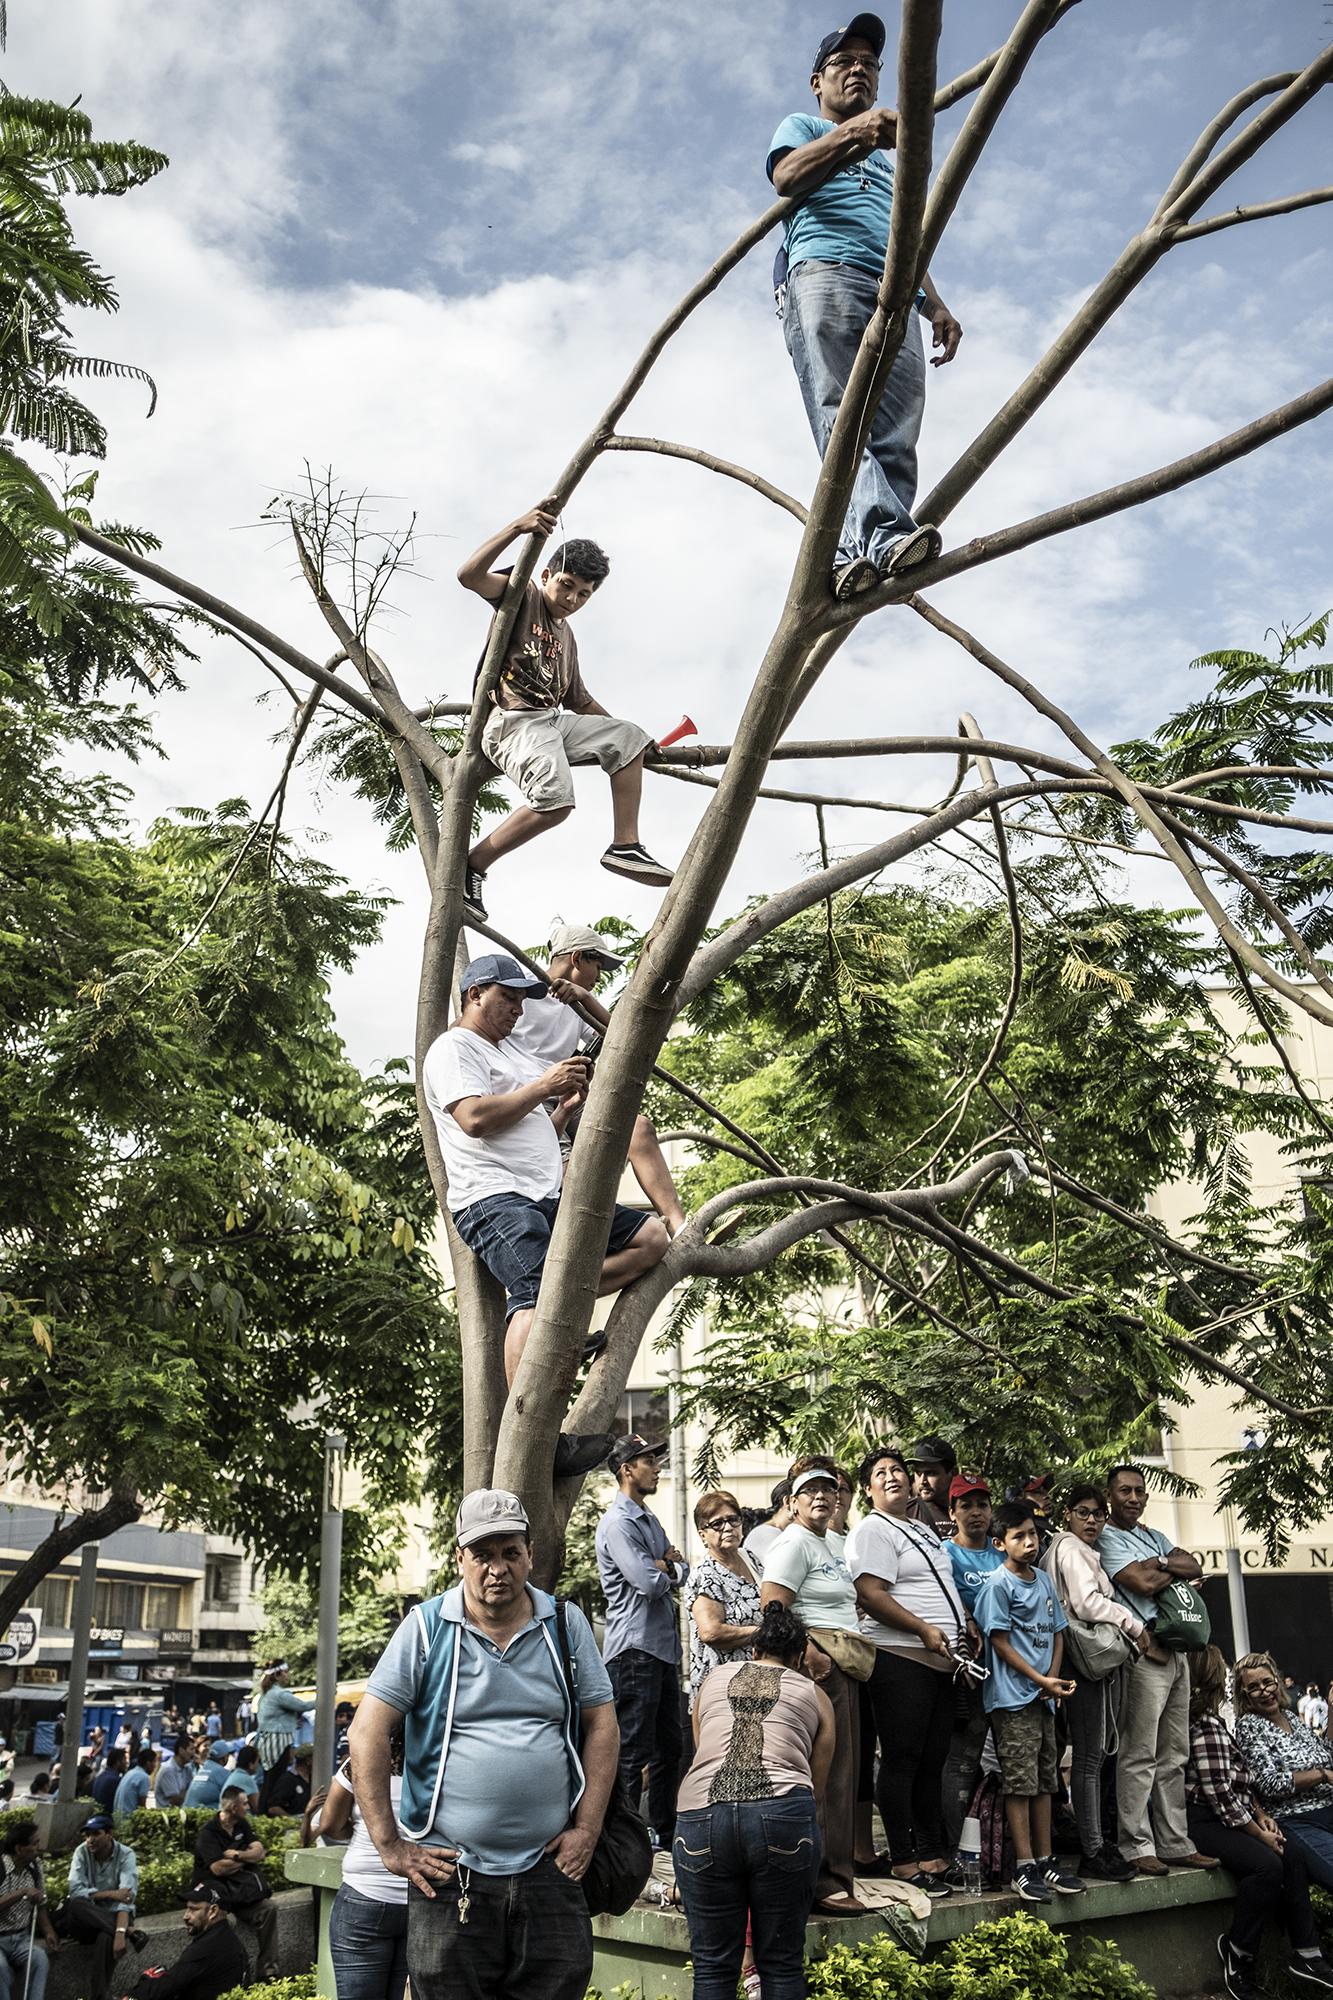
(566, 1661)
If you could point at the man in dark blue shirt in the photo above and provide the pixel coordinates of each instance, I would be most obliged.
(835, 163)
(640, 1572)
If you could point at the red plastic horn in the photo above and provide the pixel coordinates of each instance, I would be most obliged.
(685, 727)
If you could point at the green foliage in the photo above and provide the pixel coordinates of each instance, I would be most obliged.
(298, 1986)
(366, 1617)
(209, 1220)
(1010, 1958)
(876, 1970)
(579, 1578)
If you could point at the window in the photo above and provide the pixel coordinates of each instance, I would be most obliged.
(119, 1604)
(52, 1598)
(222, 1582)
(646, 1412)
(162, 1607)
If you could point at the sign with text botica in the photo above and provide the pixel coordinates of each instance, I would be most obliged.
(1301, 1559)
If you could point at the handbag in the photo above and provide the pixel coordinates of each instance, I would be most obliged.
(1182, 1623)
(850, 1651)
(622, 1860)
(1095, 1650)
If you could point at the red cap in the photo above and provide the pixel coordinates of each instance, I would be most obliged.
(961, 1485)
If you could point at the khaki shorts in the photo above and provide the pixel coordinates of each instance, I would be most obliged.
(535, 747)
(1025, 1746)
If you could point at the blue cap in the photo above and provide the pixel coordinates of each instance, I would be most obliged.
(497, 968)
(98, 1823)
(861, 28)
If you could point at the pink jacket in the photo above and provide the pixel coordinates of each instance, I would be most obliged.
(1083, 1586)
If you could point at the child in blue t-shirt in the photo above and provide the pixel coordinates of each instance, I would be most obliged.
(1020, 1614)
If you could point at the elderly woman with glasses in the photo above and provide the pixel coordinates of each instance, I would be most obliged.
(722, 1595)
(1085, 1592)
(1289, 1766)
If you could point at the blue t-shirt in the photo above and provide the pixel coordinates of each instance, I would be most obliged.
(1118, 1546)
(971, 1567)
(507, 1780)
(846, 221)
(131, 1792)
(1028, 1610)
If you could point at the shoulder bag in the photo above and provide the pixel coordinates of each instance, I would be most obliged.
(1181, 1622)
(622, 1860)
(1095, 1648)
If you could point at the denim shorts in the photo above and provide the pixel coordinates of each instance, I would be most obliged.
(511, 1234)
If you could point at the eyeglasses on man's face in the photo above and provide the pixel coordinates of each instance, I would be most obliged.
(848, 61)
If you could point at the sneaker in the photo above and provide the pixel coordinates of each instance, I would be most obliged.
(577, 1453)
(1109, 1865)
(1064, 1885)
(635, 862)
(920, 545)
(474, 881)
(1028, 1885)
(751, 1983)
(854, 579)
(1316, 1973)
(1237, 1971)
(593, 1346)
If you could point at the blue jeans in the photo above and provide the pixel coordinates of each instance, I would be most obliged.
(526, 1937)
(756, 1857)
(512, 1233)
(368, 1946)
(14, 1959)
(826, 311)
(647, 1692)
(1313, 1834)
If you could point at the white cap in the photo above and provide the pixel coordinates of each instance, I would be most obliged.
(489, 1511)
(809, 1477)
(582, 937)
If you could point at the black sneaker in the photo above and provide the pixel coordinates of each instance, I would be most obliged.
(1237, 1971)
(1028, 1884)
(637, 864)
(474, 881)
(1108, 1865)
(854, 579)
(594, 1345)
(1316, 1973)
(577, 1453)
(919, 545)
(1064, 1885)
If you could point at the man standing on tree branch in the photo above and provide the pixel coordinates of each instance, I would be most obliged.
(501, 1809)
(827, 279)
(501, 1154)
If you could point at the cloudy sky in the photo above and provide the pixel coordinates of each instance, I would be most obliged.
(421, 243)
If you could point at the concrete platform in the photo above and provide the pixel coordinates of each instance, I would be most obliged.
(168, 1937)
(1167, 1927)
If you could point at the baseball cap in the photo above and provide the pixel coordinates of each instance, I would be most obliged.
(202, 1892)
(861, 28)
(810, 1475)
(582, 937)
(963, 1483)
(634, 1446)
(933, 1451)
(488, 1511)
(98, 1823)
(218, 1751)
(497, 968)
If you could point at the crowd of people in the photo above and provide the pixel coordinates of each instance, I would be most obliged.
(1019, 1690)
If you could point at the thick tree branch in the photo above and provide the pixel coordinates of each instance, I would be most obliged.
(693, 455)
(1285, 205)
(972, 79)
(93, 1524)
(1265, 86)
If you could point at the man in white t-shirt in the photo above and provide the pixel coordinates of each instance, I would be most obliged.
(555, 1026)
(502, 1158)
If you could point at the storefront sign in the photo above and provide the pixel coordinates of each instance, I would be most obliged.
(177, 1644)
(38, 1677)
(122, 1670)
(1301, 1558)
(105, 1641)
(20, 1639)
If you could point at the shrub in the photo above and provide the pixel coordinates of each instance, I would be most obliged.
(877, 1970)
(1100, 1973)
(298, 1986)
(1010, 1958)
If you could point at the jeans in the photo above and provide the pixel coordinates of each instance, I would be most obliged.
(1268, 1886)
(913, 1709)
(14, 1966)
(368, 1946)
(827, 309)
(525, 1937)
(759, 1856)
(512, 1234)
(1090, 1722)
(1313, 1834)
(1154, 1748)
(647, 1692)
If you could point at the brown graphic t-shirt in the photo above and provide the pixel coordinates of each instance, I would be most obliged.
(541, 668)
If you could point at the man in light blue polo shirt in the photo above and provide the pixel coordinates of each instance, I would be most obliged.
(836, 165)
(1154, 1721)
(500, 1808)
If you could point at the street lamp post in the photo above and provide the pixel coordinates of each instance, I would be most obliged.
(330, 1590)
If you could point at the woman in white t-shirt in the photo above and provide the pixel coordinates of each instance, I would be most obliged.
(805, 1569)
(912, 1613)
(368, 1922)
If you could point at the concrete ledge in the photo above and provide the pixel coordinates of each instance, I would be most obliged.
(167, 1939)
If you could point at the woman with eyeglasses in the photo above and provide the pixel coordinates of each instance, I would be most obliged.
(722, 1595)
(806, 1572)
(1226, 1819)
(1289, 1765)
(1085, 1591)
